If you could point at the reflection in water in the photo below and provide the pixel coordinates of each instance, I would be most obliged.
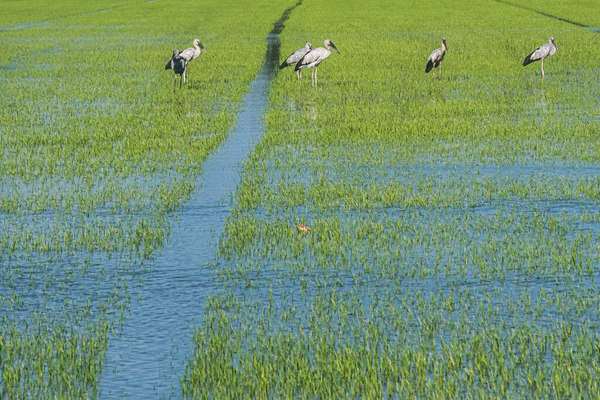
(314, 111)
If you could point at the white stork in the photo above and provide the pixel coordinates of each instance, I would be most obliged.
(545, 50)
(191, 53)
(295, 57)
(436, 57)
(313, 58)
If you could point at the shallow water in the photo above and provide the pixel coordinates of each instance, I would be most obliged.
(147, 359)
(26, 25)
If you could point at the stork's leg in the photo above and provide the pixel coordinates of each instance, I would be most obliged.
(299, 73)
(175, 83)
(313, 77)
(316, 72)
(440, 70)
(543, 75)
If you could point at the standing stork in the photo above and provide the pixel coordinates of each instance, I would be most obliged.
(191, 53)
(179, 65)
(295, 57)
(436, 57)
(545, 50)
(313, 58)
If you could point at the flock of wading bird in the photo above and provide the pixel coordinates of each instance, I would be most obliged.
(309, 57)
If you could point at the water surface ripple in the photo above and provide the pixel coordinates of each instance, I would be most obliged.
(148, 358)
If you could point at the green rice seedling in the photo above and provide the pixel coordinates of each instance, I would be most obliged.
(454, 238)
(579, 12)
(98, 157)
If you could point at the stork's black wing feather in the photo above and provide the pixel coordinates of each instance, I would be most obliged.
(429, 66)
(528, 59)
(301, 62)
(179, 64)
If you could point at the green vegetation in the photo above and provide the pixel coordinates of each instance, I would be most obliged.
(17, 13)
(454, 224)
(454, 244)
(580, 11)
(97, 154)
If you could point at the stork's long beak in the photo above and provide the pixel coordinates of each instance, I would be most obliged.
(333, 46)
(202, 47)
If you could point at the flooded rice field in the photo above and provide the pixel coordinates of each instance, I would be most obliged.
(383, 234)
